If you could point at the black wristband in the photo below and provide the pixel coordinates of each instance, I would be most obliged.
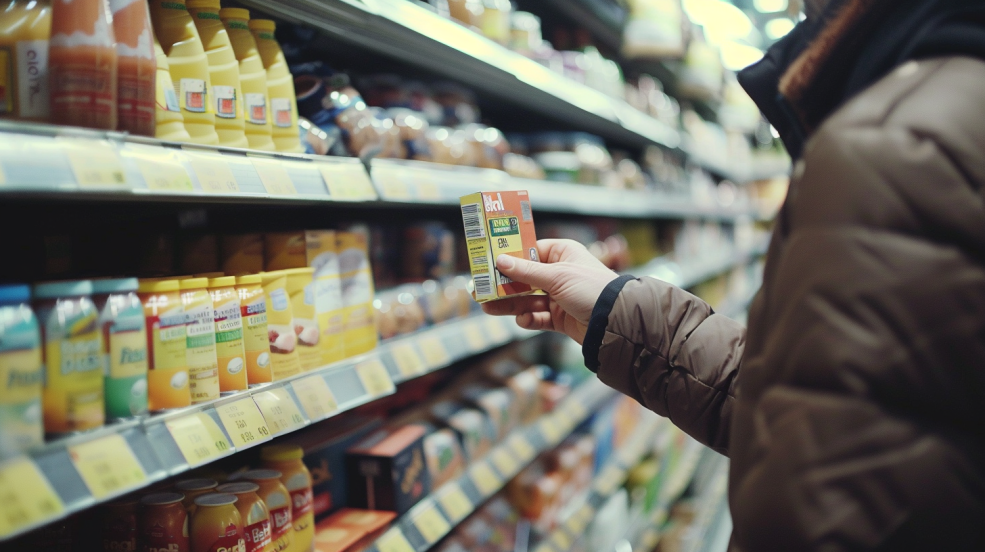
(600, 320)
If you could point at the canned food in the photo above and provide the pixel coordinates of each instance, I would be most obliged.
(120, 526)
(253, 511)
(163, 523)
(278, 500)
(194, 488)
(216, 524)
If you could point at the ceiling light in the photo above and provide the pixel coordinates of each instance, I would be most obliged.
(770, 6)
(737, 56)
(722, 21)
(778, 28)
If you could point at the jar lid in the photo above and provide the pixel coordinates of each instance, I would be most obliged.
(157, 286)
(262, 25)
(54, 290)
(194, 283)
(201, 484)
(160, 499)
(261, 475)
(238, 487)
(222, 281)
(281, 453)
(115, 285)
(234, 13)
(249, 279)
(13, 294)
(215, 499)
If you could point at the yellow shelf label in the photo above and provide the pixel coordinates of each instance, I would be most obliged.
(455, 502)
(213, 173)
(198, 437)
(505, 462)
(409, 362)
(496, 330)
(394, 541)
(393, 186)
(274, 177)
(316, 398)
(95, 163)
(244, 422)
(434, 351)
(375, 378)
(107, 465)
(550, 429)
(279, 410)
(475, 337)
(347, 181)
(26, 496)
(161, 168)
(430, 523)
(522, 449)
(485, 478)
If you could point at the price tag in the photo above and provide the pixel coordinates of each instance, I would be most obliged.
(454, 502)
(550, 429)
(213, 173)
(244, 422)
(392, 185)
(198, 437)
(26, 497)
(274, 177)
(504, 461)
(161, 168)
(409, 363)
(107, 465)
(279, 410)
(522, 449)
(475, 337)
(429, 522)
(496, 330)
(375, 378)
(347, 181)
(434, 351)
(94, 162)
(315, 396)
(485, 479)
(393, 541)
(427, 189)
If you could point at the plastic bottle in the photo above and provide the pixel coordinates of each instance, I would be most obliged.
(82, 64)
(137, 66)
(203, 365)
(170, 125)
(25, 29)
(229, 348)
(188, 65)
(288, 460)
(280, 87)
(20, 373)
(227, 95)
(73, 356)
(121, 319)
(252, 78)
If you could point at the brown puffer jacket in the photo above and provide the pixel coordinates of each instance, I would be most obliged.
(853, 409)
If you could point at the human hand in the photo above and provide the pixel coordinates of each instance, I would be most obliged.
(572, 278)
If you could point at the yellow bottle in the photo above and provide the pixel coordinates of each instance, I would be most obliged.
(189, 67)
(170, 125)
(252, 78)
(226, 93)
(280, 87)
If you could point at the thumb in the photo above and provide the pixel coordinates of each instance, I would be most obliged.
(538, 275)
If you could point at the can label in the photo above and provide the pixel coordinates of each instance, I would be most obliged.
(21, 377)
(282, 528)
(257, 536)
(230, 541)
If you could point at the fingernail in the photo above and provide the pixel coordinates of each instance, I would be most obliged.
(505, 262)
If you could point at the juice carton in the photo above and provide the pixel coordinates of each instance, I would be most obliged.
(498, 223)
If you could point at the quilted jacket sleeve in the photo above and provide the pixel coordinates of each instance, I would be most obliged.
(668, 350)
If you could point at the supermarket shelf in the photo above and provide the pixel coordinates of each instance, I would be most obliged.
(712, 508)
(437, 514)
(93, 467)
(410, 33)
(711, 264)
(758, 169)
(677, 480)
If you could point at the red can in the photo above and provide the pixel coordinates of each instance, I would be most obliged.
(120, 526)
(163, 524)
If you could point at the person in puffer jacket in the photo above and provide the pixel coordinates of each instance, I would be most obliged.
(853, 407)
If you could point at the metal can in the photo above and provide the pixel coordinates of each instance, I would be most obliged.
(194, 488)
(216, 525)
(278, 500)
(163, 524)
(120, 526)
(254, 513)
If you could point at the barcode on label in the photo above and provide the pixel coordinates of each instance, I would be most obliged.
(480, 260)
(525, 211)
(483, 285)
(471, 216)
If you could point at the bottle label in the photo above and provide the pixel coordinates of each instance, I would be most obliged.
(230, 541)
(6, 81)
(281, 527)
(33, 99)
(257, 536)
(282, 111)
(225, 101)
(193, 95)
(256, 108)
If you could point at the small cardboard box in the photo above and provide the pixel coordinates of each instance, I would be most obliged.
(387, 470)
(498, 223)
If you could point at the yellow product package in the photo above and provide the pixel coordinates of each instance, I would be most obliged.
(167, 376)
(357, 293)
(203, 365)
(253, 307)
(301, 289)
(229, 348)
(284, 360)
(323, 257)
